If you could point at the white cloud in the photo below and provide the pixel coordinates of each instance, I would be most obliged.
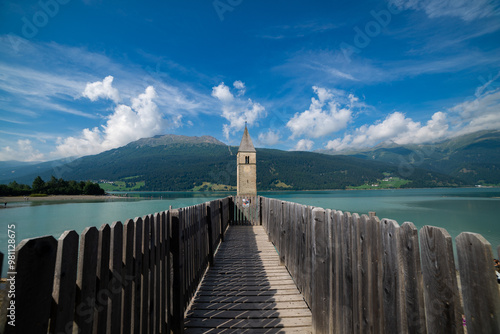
(127, 123)
(23, 151)
(324, 116)
(465, 9)
(98, 89)
(396, 128)
(240, 86)
(482, 113)
(222, 93)
(237, 110)
(304, 145)
(269, 138)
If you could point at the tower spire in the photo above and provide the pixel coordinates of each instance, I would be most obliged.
(246, 144)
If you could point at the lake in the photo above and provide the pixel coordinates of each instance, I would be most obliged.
(456, 210)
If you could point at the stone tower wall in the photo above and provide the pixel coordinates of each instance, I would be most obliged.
(247, 174)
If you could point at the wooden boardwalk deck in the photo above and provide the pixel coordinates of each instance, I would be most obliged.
(247, 291)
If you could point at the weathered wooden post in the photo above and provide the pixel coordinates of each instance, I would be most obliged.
(221, 220)
(35, 264)
(320, 272)
(442, 300)
(210, 237)
(479, 289)
(63, 292)
(178, 264)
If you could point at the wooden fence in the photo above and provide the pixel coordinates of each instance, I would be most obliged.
(246, 210)
(360, 274)
(136, 277)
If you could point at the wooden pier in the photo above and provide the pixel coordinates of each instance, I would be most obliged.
(253, 265)
(247, 291)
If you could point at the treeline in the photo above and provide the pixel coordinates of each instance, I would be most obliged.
(52, 187)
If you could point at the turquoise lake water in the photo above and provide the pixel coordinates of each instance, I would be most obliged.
(457, 210)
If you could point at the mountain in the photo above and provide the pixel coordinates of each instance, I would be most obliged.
(473, 158)
(173, 162)
(19, 170)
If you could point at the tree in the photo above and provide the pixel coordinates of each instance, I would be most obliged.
(38, 185)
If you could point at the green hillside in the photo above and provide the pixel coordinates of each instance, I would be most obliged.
(472, 158)
(168, 163)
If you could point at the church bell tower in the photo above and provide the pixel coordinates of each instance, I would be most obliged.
(246, 167)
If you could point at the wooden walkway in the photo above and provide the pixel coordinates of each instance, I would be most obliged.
(247, 291)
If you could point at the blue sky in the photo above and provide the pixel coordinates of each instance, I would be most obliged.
(81, 77)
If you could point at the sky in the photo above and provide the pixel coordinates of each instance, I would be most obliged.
(79, 77)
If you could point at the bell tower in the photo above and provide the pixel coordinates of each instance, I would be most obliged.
(246, 167)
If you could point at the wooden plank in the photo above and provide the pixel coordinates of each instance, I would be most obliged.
(178, 263)
(164, 273)
(356, 274)
(413, 295)
(116, 278)
(308, 256)
(250, 306)
(86, 280)
(128, 275)
(479, 288)
(377, 306)
(145, 286)
(157, 273)
(136, 285)
(367, 289)
(391, 278)
(346, 284)
(103, 293)
(335, 319)
(249, 323)
(250, 314)
(36, 259)
(442, 300)
(63, 291)
(320, 270)
(295, 330)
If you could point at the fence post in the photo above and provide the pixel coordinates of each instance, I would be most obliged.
(413, 287)
(479, 287)
(210, 237)
(36, 259)
(63, 292)
(86, 280)
(442, 301)
(221, 220)
(320, 265)
(178, 265)
(115, 284)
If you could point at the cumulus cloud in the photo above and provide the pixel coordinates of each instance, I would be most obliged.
(396, 128)
(102, 89)
(240, 86)
(222, 93)
(23, 151)
(465, 9)
(269, 138)
(304, 145)
(127, 123)
(328, 113)
(237, 110)
(479, 114)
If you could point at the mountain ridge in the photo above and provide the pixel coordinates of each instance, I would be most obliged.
(173, 162)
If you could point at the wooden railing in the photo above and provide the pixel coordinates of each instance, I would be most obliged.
(136, 277)
(360, 274)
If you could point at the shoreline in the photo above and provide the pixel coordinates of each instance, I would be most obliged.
(62, 198)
